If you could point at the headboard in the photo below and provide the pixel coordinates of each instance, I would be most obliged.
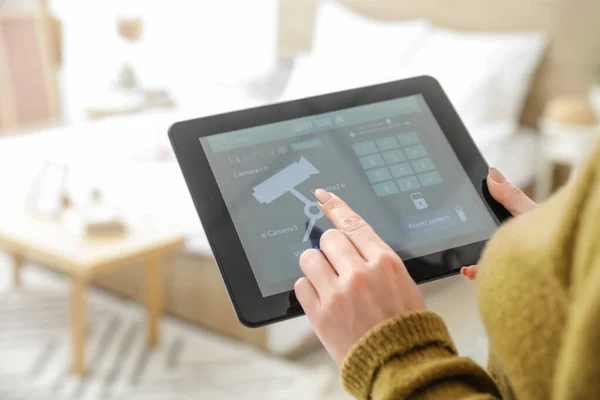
(573, 27)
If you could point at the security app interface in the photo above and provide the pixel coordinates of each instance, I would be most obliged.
(389, 161)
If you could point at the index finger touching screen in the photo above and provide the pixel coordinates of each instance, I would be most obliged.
(361, 234)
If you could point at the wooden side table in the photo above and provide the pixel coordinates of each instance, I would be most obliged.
(50, 244)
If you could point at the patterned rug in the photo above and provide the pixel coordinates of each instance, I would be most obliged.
(188, 364)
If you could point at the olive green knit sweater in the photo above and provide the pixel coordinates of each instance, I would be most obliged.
(539, 298)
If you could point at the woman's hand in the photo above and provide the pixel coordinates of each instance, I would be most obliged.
(511, 197)
(354, 283)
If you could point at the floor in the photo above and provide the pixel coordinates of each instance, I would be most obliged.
(189, 363)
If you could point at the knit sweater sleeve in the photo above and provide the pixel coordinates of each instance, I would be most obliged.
(577, 373)
(413, 356)
(578, 370)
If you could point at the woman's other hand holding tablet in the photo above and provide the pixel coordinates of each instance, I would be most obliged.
(355, 283)
(511, 197)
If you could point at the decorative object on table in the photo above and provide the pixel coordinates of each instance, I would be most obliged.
(96, 218)
(126, 95)
(595, 94)
(48, 193)
(567, 131)
(130, 29)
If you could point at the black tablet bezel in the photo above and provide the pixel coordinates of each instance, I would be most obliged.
(251, 307)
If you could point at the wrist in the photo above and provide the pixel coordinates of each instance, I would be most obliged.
(421, 332)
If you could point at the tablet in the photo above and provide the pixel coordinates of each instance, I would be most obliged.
(396, 152)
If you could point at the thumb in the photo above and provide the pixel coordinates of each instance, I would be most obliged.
(507, 194)
(470, 272)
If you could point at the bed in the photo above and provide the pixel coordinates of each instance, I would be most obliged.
(130, 158)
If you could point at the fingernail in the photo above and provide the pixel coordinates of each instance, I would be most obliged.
(322, 196)
(497, 175)
(463, 271)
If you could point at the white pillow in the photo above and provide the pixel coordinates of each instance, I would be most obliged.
(312, 76)
(343, 35)
(486, 75)
(350, 50)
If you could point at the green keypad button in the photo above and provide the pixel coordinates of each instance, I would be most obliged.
(422, 165)
(373, 161)
(415, 152)
(387, 143)
(364, 148)
(408, 139)
(407, 184)
(378, 175)
(394, 156)
(400, 170)
(385, 188)
(430, 178)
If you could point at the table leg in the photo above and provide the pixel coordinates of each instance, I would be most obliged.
(78, 324)
(17, 262)
(154, 298)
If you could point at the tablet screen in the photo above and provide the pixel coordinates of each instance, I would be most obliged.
(390, 161)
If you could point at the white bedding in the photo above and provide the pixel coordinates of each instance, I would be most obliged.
(131, 160)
